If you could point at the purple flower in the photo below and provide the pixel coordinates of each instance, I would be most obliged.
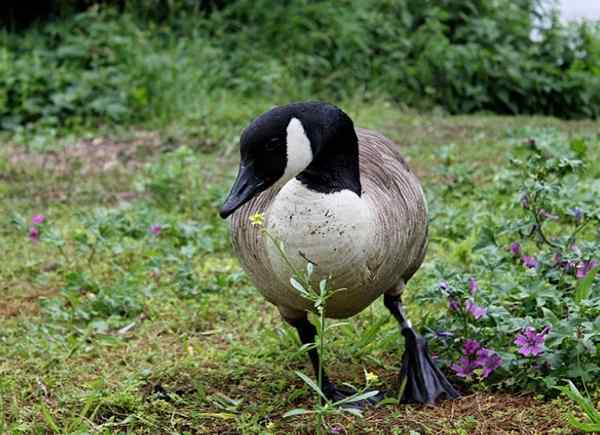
(525, 201)
(515, 249)
(34, 234)
(531, 342)
(453, 304)
(155, 229)
(577, 214)
(584, 268)
(443, 285)
(488, 360)
(473, 287)
(476, 311)
(529, 262)
(470, 347)
(464, 367)
(38, 219)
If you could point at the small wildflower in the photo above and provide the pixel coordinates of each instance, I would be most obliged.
(464, 367)
(155, 229)
(38, 219)
(530, 262)
(470, 347)
(453, 304)
(372, 378)
(34, 234)
(473, 286)
(488, 360)
(531, 342)
(257, 219)
(515, 249)
(584, 268)
(475, 310)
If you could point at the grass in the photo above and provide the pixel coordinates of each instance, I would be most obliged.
(107, 328)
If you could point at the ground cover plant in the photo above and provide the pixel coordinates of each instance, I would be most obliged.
(159, 62)
(124, 310)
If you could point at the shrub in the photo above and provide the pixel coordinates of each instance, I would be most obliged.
(134, 65)
(525, 284)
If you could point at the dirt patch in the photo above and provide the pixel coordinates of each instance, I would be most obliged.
(26, 303)
(488, 414)
(91, 156)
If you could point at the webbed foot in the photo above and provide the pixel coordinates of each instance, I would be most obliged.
(423, 381)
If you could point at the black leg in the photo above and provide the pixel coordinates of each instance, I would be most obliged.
(307, 333)
(424, 382)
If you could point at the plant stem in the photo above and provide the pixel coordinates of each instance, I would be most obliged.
(322, 360)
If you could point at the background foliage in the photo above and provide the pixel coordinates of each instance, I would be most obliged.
(82, 64)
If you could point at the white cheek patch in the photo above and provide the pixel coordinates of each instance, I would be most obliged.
(299, 152)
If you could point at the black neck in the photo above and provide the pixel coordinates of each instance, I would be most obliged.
(336, 163)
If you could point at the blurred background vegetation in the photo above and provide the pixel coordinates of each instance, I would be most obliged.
(80, 64)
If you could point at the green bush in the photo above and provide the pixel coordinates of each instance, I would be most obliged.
(134, 65)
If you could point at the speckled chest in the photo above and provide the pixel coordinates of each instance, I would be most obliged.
(330, 230)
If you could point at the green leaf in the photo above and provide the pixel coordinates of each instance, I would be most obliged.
(49, 419)
(585, 404)
(296, 284)
(582, 291)
(297, 411)
(579, 147)
(310, 268)
(357, 397)
(311, 384)
(354, 411)
(586, 427)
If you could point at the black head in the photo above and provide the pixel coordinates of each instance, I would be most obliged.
(288, 141)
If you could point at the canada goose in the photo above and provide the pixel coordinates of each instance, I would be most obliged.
(345, 200)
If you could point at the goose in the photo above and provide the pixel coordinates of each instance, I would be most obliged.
(345, 200)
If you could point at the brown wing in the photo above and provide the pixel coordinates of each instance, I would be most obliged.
(399, 204)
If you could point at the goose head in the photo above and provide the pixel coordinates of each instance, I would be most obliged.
(313, 142)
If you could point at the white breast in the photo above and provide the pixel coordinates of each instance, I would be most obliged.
(332, 231)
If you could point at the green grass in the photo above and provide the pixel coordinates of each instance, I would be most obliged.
(106, 328)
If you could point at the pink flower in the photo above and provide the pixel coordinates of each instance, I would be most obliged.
(473, 286)
(470, 347)
(453, 304)
(464, 367)
(475, 310)
(476, 357)
(155, 229)
(34, 234)
(529, 262)
(531, 342)
(584, 268)
(515, 249)
(488, 360)
(38, 219)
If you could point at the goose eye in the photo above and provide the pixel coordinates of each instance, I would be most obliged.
(273, 144)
